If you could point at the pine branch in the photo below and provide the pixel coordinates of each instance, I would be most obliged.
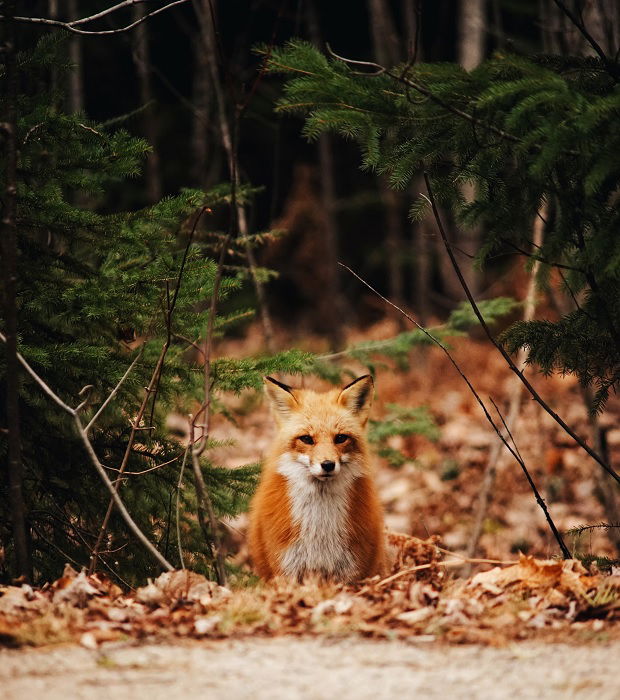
(151, 390)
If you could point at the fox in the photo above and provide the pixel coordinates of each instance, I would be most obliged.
(316, 511)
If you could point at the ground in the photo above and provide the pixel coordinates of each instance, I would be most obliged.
(533, 627)
(289, 668)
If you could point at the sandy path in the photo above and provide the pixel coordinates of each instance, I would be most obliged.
(289, 668)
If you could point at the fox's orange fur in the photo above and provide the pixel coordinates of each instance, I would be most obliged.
(316, 510)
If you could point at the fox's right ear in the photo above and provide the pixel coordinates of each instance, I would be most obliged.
(282, 398)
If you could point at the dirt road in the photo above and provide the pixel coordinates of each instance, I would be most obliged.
(290, 668)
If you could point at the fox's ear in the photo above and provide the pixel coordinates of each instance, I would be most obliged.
(357, 397)
(282, 398)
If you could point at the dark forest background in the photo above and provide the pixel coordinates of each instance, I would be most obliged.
(160, 73)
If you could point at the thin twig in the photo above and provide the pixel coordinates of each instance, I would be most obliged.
(178, 505)
(114, 391)
(447, 564)
(144, 471)
(171, 305)
(535, 395)
(505, 424)
(611, 66)
(539, 258)
(537, 495)
(69, 26)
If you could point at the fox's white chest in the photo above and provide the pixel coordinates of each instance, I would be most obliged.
(321, 511)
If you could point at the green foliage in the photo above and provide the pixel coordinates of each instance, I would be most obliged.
(401, 421)
(95, 286)
(525, 132)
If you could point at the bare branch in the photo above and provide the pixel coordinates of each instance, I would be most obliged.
(55, 398)
(108, 11)
(144, 471)
(204, 502)
(70, 26)
(539, 258)
(117, 500)
(114, 391)
(612, 67)
(377, 68)
(535, 395)
(178, 504)
(539, 499)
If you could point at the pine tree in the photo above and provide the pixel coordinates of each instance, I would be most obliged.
(523, 131)
(97, 289)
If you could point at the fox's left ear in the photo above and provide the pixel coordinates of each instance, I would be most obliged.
(282, 398)
(357, 397)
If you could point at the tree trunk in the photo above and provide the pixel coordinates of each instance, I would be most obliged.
(23, 563)
(472, 33)
(142, 62)
(76, 81)
(471, 45)
(202, 96)
(387, 50)
(228, 135)
(333, 313)
(421, 231)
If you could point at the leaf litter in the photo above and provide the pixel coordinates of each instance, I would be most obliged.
(420, 600)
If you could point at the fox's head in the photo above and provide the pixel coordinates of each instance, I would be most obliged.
(321, 434)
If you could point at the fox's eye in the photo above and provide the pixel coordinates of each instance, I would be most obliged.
(307, 439)
(340, 438)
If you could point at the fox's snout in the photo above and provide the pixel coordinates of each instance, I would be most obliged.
(320, 467)
(325, 469)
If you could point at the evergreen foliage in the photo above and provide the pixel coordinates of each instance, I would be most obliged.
(526, 132)
(94, 288)
(401, 421)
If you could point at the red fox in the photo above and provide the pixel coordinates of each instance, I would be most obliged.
(316, 510)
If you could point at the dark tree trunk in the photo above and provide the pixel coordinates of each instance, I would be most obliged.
(142, 62)
(387, 51)
(76, 82)
(202, 156)
(228, 133)
(23, 563)
(330, 298)
(420, 230)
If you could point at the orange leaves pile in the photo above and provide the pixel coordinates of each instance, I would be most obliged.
(418, 600)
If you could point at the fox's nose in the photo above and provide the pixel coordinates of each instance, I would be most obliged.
(328, 466)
